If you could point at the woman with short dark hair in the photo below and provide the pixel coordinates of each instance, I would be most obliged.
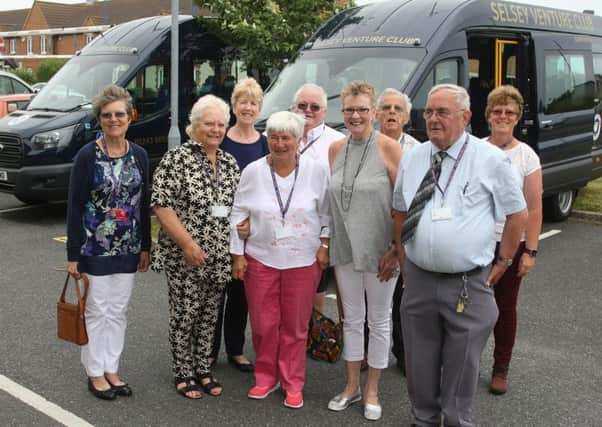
(108, 235)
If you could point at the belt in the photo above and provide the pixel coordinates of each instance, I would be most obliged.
(472, 272)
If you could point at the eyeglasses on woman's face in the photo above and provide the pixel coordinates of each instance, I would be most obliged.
(499, 112)
(349, 111)
(116, 114)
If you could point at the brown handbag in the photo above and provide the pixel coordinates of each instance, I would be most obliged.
(71, 325)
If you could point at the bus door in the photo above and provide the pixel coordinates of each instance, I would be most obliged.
(496, 60)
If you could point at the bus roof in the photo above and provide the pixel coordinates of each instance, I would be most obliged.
(133, 37)
(415, 22)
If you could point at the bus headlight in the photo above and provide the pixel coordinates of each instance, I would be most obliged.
(57, 138)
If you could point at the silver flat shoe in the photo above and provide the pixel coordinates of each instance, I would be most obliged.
(340, 403)
(372, 412)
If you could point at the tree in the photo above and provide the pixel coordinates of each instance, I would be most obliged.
(25, 75)
(268, 32)
(48, 68)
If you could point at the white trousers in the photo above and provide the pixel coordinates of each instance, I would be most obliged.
(106, 308)
(354, 288)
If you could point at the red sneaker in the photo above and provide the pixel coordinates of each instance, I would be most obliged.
(294, 399)
(259, 392)
(499, 381)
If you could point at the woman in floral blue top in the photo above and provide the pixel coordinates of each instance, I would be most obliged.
(108, 235)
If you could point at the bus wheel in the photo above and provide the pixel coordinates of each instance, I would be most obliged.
(558, 207)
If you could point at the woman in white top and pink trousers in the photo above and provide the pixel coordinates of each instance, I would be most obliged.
(284, 197)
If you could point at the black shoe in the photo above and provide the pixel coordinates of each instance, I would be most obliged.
(242, 367)
(121, 390)
(108, 394)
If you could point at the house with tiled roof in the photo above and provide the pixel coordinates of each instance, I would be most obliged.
(57, 30)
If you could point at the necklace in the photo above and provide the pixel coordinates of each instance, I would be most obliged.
(347, 190)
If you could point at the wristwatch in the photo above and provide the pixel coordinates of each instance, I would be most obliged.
(531, 252)
(504, 261)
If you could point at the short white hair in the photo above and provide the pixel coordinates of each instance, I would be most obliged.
(200, 107)
(462, 97)
(286, 121)
(323, 96)
(405, 99)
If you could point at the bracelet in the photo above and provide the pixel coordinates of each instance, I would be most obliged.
(324, 245)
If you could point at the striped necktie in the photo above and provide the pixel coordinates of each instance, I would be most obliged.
(422, 196)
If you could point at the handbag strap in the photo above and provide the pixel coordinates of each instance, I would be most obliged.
(81, 299)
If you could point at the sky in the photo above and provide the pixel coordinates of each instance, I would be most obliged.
(578, 5)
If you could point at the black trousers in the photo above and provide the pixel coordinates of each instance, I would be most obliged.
(233, 315)
(398, 349)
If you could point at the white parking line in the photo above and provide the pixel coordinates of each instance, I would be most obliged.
(549, 234)
(24, 208)
(44, 406)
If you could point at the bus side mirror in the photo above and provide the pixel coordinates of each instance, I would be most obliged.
(134, 116)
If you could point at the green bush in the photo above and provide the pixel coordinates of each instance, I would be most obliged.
(25, 75)
(48, 68)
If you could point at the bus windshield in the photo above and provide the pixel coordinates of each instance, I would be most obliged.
(79, 80)
(332, 69)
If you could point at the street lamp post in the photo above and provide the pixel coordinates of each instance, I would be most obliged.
(173, 138)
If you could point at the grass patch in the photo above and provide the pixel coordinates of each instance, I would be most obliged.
(590, 197)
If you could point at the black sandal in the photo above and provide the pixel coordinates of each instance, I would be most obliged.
(210, 386)
(190, 386)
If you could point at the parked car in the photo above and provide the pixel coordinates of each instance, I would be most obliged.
(38, 86)
(10, 103)
(10, 84)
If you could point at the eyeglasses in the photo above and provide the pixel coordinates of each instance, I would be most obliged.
(350, 111)
(444, 113)
(314, 108)
(387, 107)
(500, 112)
(117, 114)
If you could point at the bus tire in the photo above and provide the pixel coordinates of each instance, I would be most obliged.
(558, 207)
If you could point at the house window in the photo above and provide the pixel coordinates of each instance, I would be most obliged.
(13, 46)
(29, 45)
(43, 45)
(89, 37)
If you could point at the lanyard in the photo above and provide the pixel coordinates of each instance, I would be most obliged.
(284, 208)
(347, 190)
(116, 178)
(215, 182)
(310, 143)
(451, 175)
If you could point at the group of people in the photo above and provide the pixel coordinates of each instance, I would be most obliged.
(444, 230)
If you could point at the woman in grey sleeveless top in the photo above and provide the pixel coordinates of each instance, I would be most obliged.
(363, 169)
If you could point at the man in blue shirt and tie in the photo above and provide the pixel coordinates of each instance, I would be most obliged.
(449, 192)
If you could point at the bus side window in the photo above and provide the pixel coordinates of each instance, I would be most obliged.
(446, 71)
(566, 85)
(150, 90)
(598, 75)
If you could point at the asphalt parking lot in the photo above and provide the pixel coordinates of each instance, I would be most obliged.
(555, 377)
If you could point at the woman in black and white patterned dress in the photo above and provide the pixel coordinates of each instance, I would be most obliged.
(193, 190)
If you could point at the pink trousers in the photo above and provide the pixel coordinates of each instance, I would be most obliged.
(280, 303)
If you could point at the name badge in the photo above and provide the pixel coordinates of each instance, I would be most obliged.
(441, 214)
(219, 211)
(283, 231)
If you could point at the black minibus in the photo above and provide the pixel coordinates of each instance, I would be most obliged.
(37, 145)
(554, 57)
